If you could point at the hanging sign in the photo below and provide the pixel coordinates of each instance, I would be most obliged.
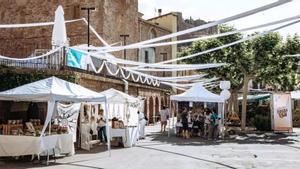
(282, 112)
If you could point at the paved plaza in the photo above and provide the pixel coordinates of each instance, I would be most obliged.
(158, 151)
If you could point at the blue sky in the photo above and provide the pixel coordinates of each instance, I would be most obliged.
(210, 10)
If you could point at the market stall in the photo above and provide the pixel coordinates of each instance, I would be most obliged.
(198, 93)
(123, 112)
(31, 141)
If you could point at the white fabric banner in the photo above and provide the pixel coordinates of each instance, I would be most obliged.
(181, 68)
(27, 25)
(118, 48)
(67, 115)
(32, 58)
(208, 25)
(121, 61)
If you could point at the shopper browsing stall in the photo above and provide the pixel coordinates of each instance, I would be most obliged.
(164, 115)
(101, 128)
(214, 125)
(206, 122)
(185, 123)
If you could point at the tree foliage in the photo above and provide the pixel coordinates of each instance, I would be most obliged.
(261, 60)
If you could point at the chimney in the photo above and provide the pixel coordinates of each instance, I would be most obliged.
(159, 12)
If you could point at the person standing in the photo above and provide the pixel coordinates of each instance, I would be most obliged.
(142, 124)
(185, 123)
(102, 128)
(206, 122)
(214, 125)
(164, 115)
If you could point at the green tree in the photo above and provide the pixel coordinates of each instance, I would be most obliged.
(259, 59)
(234, 56)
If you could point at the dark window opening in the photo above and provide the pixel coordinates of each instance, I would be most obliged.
(147, 57)
(76, 14)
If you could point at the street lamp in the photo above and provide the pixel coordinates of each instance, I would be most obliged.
(124, 43)
(88, 9)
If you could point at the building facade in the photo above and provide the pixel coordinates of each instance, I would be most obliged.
(111, 19)
(175, 22)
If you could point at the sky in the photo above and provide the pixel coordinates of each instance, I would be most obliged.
(211, 10)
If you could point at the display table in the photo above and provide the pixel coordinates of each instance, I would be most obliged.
(30, 145)
(179, 124)
(129, 135)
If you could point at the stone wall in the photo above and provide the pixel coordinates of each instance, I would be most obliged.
(154, 97)
(111, 19)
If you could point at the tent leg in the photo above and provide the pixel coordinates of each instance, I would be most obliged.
(223, 121)
(173, 119)
(169, 131)
(107, 130)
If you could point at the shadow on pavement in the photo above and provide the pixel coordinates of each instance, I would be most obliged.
(25, 162)
(187, 156)
(268, 138)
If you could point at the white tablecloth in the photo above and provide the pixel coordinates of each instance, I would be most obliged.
(180, 125)
(129, 135)
(30, 145)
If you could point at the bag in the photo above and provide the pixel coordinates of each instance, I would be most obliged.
(214, 119)
(91, 132)
(146, 118)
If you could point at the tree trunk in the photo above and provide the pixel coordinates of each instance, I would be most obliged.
(230, 102)
(244, 103)
(235, 102)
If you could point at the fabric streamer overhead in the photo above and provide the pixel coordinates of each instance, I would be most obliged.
(28, 25)
(32, 58)
(225, 20)
(118, 48)
(198, 67)
(229, 44)
(121, 61)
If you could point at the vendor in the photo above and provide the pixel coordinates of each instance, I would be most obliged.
(101, 127)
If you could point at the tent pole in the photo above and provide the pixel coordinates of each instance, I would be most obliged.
(223, 120)
(107, 129)
(169, 118)
(173, 119)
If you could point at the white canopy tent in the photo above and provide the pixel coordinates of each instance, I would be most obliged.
(125, 107)
(198, 93)
(52, 90)
(116, 96)
(121, 105)
(295, 95)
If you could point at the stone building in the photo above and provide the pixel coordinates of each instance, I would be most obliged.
(175, 22)
(111, 19)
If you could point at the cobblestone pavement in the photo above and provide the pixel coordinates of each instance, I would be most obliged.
(157, 151)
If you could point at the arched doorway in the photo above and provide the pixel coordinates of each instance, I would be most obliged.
(151, 109)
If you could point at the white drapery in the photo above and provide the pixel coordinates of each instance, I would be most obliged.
(118, 48)
(28, 25)
(52, 90)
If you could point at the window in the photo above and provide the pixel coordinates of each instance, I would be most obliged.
(147, 57)
(152, 34)
(76, 13)
(164, 56)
